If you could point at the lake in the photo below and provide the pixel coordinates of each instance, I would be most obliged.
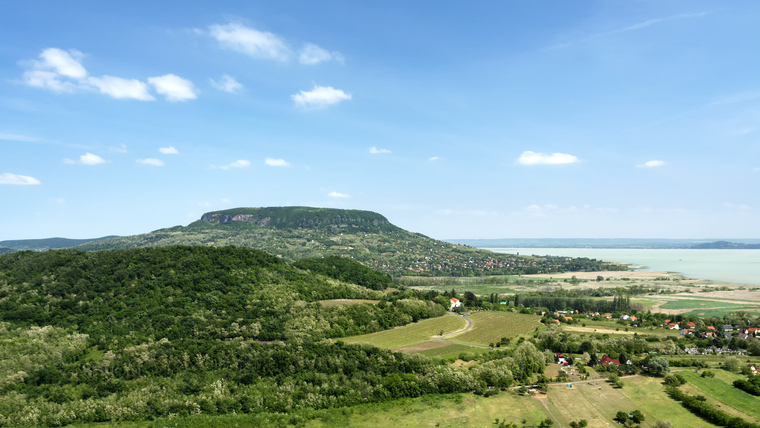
(734, 266)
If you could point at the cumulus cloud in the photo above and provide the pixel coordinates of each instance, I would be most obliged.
(21, 180)
(120, 88)
(257, 44)
(61, 71)
(320, 97)
(375, 151)
(173, 87)
(275, 162)
(227, 84)
(533, 158)
(151, 162)
(86, 159)
(240, 163)
(651, 164)
(312, 54)
(338, 195)
(168, 150)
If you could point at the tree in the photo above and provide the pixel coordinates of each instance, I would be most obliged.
(621, 416)
(663, 424)
(659, 366)
(599, 278)
(637, 416)
(731, 364)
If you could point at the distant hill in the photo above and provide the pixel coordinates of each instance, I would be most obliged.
(295, 233)
(600, 243)
(5, 250)
(46, 244)
(725, 245)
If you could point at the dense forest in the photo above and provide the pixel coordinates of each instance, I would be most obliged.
(144, 333)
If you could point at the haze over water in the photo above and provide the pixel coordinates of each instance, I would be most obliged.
(733, 266)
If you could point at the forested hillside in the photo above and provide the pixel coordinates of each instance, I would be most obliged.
(296, 233)
(171, 331)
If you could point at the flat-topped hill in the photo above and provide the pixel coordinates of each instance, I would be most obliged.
(295, 233)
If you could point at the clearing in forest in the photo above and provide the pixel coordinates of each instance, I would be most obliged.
(490, 326)
(411, 334)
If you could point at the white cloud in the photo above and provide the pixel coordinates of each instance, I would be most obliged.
(60, 201)
(168, 150)
(22, 180)
(433, 159)
(47, 80)
(320, 97)
(64, 63)
(375, 151)
(86, 159)
(151, 162)
(61, 71)
(651, 164)
(120, 88)
(240, 163)
(258, 44)
(533, 158)
(19, 138)
(276, 162)
(90, 159)
(174, 87)
(312, 54)
(227, 84)
(338, 195)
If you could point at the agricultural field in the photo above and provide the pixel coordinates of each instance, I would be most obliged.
(722, 390)
(598, 403)
(613, 328)
(411, 334)
(457, 410)
(489, 327)
(342, 302)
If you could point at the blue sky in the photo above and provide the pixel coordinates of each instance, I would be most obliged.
(481, 120)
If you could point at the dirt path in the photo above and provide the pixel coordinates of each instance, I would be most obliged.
(469, 326)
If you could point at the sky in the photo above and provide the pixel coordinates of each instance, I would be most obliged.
(486, 119)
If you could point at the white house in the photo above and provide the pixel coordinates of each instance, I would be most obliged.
(455, 303)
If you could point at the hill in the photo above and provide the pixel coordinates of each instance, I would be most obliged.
(45, 244)
(295, 233)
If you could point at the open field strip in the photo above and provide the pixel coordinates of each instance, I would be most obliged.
(648, 395)
(584, 401)
(456, 410)
(610, 327)
(599, 403)
(702, 304)
(341, 302)
(721, 389)
(489, 327)
(411, 334)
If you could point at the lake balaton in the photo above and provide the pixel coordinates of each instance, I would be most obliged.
(733, 266)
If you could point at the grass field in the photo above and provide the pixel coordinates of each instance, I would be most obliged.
(456, 410)
(648, 395)
(341, 302)
(411, 334)
(489, 327)
(700, 304)
(721, 388)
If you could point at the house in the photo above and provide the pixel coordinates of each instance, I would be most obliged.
(691, 324)
(606, 360)
(686, 331)
(673, 326)
(753, 369)
(608, 316)
(455, 303)
(561, 359)
(711, 328)
(625, 318)
(708, 334)
(633, 318)
(728, 327)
